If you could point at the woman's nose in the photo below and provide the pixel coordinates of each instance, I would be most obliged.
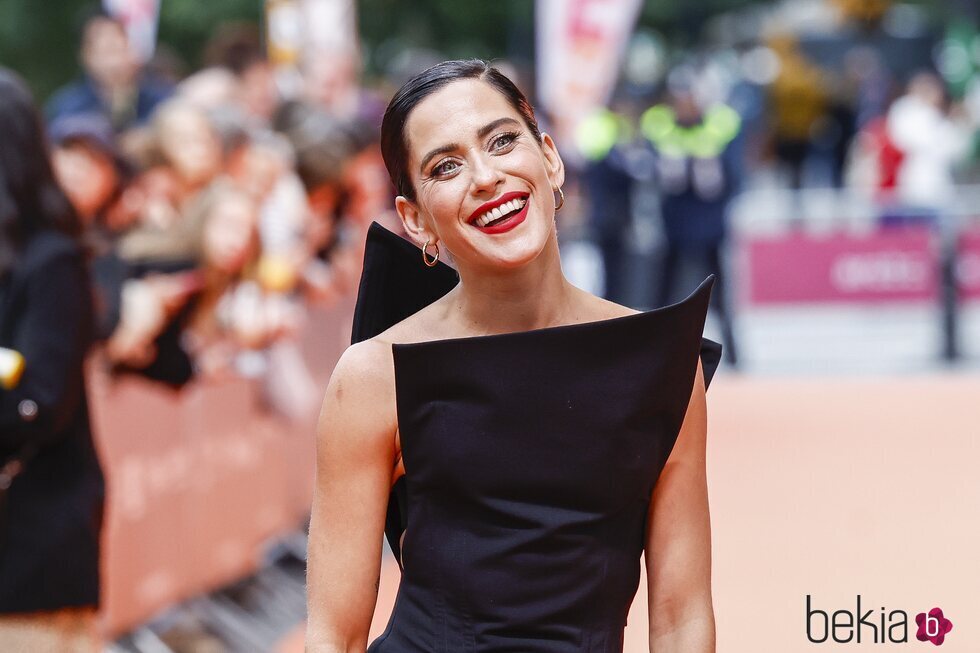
(486, 176)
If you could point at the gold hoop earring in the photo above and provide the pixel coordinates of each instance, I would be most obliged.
(561, 200)
(425, 258)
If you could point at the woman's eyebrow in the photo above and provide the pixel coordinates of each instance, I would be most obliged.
(481, 132)
(490, 126)
(445, 149)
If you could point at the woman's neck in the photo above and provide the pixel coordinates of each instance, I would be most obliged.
(535, 296)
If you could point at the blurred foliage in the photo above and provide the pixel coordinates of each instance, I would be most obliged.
(39, 40)
(503, 28)
(186, 25)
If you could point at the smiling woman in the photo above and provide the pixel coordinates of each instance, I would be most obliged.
(524, 440)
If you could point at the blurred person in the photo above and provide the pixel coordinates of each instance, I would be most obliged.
(93, 175)
(504, 350)
(237, 48)
(605, 138)
(332, 81)
(264, 167)
(799, 99)
(323, 146)
(87, 165)
(697, 175)
(51, 483)
(112, 82)
(186, 158)
(931, 142)
(159, 306)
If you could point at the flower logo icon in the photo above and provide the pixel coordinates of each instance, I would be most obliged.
(933, 626)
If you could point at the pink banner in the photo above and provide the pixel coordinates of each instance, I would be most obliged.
(968, 264)
(900, 264)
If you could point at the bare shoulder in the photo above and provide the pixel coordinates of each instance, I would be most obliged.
(426, 324)
(359, 399)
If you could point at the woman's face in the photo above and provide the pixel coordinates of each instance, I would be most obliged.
(467, 149)
(230, 238)
(88, 177)
(190, 144)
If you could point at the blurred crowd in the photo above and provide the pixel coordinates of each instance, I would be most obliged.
(218, 210)
(797, 96)
(215, 211)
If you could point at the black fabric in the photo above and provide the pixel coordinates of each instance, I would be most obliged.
(530, 460)
(395, 283)
(50, 556)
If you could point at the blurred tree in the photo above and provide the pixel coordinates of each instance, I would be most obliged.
(39, 40)
(186, 25)
(457, 30)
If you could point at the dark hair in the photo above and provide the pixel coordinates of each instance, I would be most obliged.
(90, 15)
(236, 47)
(30, 198)
(394, 148)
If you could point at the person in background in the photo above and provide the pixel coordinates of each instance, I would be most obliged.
(237, 48)
(932, 141)
(799, 103)
(93, 175)
(697, 176)
(604, 138)
(51, 483)
(112, 83)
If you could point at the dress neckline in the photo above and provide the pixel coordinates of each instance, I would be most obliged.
(574, 327)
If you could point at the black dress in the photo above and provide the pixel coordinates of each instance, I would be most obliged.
(530, 458)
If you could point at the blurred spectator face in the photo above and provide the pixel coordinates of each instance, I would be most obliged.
(330, 77)
(257, 167)
(257, 90)
(87, 175)
(107, 55)
(189, 143)
(230, 238)
(368, 186)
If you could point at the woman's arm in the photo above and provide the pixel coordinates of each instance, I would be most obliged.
(678, 542)
(354, 461)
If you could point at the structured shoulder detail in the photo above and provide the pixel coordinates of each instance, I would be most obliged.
(395, 283)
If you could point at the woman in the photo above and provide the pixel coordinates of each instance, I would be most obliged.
(51, 482)
(533, 421)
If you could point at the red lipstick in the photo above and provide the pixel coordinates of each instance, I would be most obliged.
(492, 204)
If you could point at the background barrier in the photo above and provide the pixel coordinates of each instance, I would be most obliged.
(202, 480)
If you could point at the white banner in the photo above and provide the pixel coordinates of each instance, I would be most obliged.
(140, 18)
(580, 44)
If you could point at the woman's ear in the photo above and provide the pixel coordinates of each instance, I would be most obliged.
(556, 167)
(414, 225)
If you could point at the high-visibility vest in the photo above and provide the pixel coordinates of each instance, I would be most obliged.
(707, 139)
(600, 132)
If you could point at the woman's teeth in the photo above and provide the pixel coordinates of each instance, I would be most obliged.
(500, 211)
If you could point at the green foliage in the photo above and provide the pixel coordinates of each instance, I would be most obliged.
(39, 40)
(455, 28)
(186, 25)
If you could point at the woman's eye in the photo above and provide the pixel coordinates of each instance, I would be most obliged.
(444, 168)
(504, 140)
